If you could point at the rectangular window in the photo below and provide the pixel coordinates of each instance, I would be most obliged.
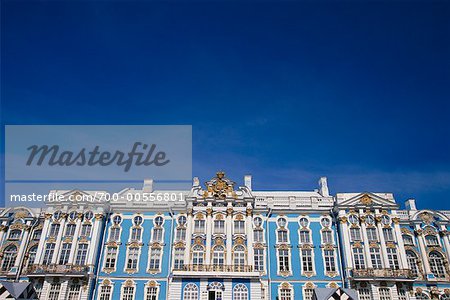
(307, 262)
(259, 260)
(133, 257)
(128, 293)
(219, 226)
(74, 292)
(178, 260)
(327, 237)
(308, 294)
(239, 226)
(157, 235)
(114, 234)
(364, 294)
(258, 236)
(304, 237)
(385, 294)
(155, 258)
(199, 226)
(136, 234)
(402, 294)
(37, 235)
(70, 229)
(282, 236)
(283, 260)
(330, 264)
(48, 254)
(180, 234)
(393, 258)
(86, 230)
(285, 294)
(355, 234)
(81, 255)
(358, 258)
(111, 256)
(53, 293)
(375, 258)
(65, 253)
(105, 292)
(388, 235)
(152, 293)
(54, 229)
(372, 234)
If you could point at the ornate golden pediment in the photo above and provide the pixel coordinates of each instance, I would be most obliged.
(219, 187)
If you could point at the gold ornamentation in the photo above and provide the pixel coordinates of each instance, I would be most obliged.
(333, 285)
(373, 245)
(396, 220)
(199, 216)
(21, 214)
(209, 211)
(179, 244)
(230, 211)
(239, 241)
(285, 285)
(129, 283)
(106, 282)
(219, 187)
(343, 220)
(99, 216)
(331, 274)
(239, 217)
(447, 291)
(390, 245)
(219, 242)
(426, 217)
(309, 285)
(249, 211)
(357, 244)
(219, 217)
(366, 200)
(16, 226)
(152, 283)
(198, 241)
(258, 246)
(406, 231)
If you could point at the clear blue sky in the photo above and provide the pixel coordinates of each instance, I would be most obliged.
(288, 91)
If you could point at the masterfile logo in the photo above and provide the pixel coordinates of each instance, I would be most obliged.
(39, 154)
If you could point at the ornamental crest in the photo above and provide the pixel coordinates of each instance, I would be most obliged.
(426, 217)
(219, 187)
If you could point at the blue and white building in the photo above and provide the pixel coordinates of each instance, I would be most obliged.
(221, 241)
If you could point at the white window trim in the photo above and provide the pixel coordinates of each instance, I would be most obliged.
(278, 261)
(161, 255)
(312, 260)
(111, 284)
(131, 231)
(147, 285)
(126, 259)
(329, 230)
(123, 287)
(280, 287)
(117, 259)
(336, 264)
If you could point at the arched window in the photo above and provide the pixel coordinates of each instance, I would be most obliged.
(9, 257)
(239, 257)
(437, 264)
(411, 257)
(285, 292)
(190, 292)
(431, 240)
(240, 292)
(197, 255)
(86, 230)
(219, 256)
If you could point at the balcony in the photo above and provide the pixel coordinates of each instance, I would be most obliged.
(217, 270)
(382, 274)
(70, 270)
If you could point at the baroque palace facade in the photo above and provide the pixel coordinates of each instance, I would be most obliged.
(227, 242)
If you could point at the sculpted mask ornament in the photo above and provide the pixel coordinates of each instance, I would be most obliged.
(426, 217)
(366, 200)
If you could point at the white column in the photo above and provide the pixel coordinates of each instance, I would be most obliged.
(446, 239)
(3, 229)
(187, 250)
(345, 233)
(41, 246)
(249, 226)
(423, 251)
(229, 224)
(208, 233)
(366, 245)
(23, 246)
(95, 237)
(73, 249)
(401, 246)
(383, 246)
(59, 240)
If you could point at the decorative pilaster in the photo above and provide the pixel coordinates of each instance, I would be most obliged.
(208, 233)
(229, 231)
(187, 250)
(249, 237)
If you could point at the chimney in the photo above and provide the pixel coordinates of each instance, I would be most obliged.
(248, 181)
(410, 204)
(323, 187)
(148, 186)
(195, 182)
